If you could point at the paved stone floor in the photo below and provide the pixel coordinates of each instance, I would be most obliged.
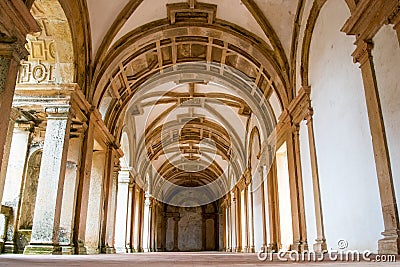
(166, 259)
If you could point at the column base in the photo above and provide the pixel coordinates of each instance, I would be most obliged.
(92, 251)
(111, 251)
(9, 248)
(81, 249)
(320, 246)
(67, 250)
(390, 244)
(42, 250)
(108, 250)
(299, 246)
(272, 247)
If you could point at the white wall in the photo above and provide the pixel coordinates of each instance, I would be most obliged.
(349, 188)
(386, 55)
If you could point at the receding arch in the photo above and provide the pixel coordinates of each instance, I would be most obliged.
(77, 16)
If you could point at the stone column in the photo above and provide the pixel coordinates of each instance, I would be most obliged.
(320, 241)
(140, 207)
(122, 211)
(251, 218)
(46, 222)
(273, 207)
(83, 188)
(136, 219)
(7, 146)
(107, 223)
(146, 223)
(94, 214)
(264, 207)
(111, 219)
(230, 226)
(233, 222)
(238, 214)
(245, 220)
(390, 244)
(129, 233)
(70, 193)
(296, 190)
(13, 181)
(176, 233)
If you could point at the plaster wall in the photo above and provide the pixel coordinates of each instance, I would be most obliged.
(349, 187)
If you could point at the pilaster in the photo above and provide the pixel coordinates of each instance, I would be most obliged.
(390, 244)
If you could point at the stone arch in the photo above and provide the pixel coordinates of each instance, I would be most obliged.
(80, 37)
(311, 22)
(51, 51)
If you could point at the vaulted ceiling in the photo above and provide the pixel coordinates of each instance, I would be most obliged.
(186, 81)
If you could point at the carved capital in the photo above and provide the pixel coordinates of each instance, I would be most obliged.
(15, 114)
(295, 128)
(363, 52)
(309, 115)
(58, 112)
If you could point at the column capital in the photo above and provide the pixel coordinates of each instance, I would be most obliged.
(25, 126)
(60, 112)
(309, 115)
(15, 114)
(362, 52)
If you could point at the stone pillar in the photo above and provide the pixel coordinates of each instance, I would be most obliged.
(273, 207)
(390, 244)
(251, 215)
(122, 211)
(246, 247)
(164, 231)
(146, 223)
(176, 233)
(15, 23)
(136, 219)
(129, 233)
(233, 222)
(296, 190)
(320, 241)
(94, 214)
(264, 207)
(82, 200)
(140, 206)
(70, 194)
(227, 226)
(238, 214)
(16, 170)
(111, 219)
(46, 222)
(108, 208)
(7, 146)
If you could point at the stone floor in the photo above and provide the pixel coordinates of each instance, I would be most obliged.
(167, 259)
